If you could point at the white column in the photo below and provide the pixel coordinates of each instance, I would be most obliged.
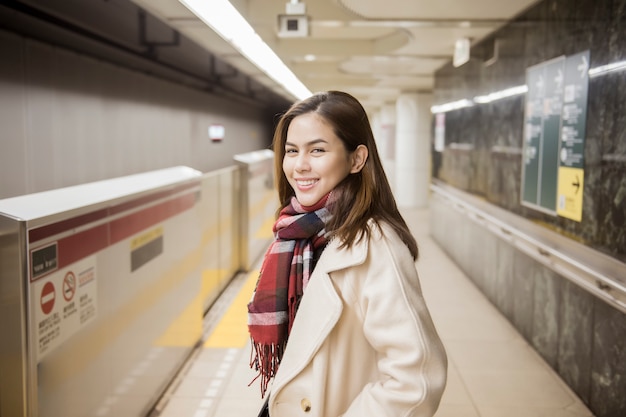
(375, 123)
(386, 141)
(412, 171)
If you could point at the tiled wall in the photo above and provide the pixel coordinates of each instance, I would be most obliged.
(483, 153)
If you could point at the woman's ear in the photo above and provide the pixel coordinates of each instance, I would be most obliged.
(359, 157)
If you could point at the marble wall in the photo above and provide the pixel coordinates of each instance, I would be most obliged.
(483, 153)
(579, 335)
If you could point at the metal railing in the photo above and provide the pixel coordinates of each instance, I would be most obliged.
(597, 273)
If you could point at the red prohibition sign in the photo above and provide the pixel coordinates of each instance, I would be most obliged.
(69, 286)
(47, 297)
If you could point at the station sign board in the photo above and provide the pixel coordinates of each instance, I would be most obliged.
(554, 135)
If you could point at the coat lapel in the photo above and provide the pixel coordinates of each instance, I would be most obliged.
(319, 311)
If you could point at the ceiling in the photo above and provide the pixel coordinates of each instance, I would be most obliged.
(373, 49)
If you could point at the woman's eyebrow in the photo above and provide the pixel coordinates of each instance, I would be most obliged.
(309, 143)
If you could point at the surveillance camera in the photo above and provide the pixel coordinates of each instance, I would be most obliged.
(293, 26)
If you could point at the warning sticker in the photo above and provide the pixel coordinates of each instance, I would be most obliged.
(67, 301)
(146, 247)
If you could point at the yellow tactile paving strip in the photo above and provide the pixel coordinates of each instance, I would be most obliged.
(232, 330)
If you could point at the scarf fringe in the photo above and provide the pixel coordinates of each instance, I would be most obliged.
(265, 359)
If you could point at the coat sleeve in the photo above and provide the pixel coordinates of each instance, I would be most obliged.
(411, 360)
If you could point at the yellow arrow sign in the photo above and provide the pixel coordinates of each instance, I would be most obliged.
(570, 193)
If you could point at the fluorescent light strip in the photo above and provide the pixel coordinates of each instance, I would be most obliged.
(604, 69)
(226, 21)
(498, 95)
(446, 107)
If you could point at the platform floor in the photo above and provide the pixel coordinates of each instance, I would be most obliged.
(493, 371)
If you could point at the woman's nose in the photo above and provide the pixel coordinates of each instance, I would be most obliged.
(302, 162)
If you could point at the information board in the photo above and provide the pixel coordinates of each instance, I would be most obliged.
(573, 128)
(554, 134)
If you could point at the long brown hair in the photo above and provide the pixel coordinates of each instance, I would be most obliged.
(364, 195)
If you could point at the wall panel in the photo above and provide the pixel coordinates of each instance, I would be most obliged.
(73, 119)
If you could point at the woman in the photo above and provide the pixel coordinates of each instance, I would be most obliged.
(362, 342)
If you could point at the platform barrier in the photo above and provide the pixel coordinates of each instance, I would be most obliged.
(258, 203)
(103, 286)
(220, 226)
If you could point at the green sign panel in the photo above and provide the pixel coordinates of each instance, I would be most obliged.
(574, 113)
(554, 127)
(573, 125)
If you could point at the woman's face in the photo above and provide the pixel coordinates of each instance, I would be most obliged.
(315, 158)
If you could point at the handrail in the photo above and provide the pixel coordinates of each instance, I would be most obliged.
(597, 273)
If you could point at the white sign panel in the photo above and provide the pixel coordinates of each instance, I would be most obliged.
(63, 302)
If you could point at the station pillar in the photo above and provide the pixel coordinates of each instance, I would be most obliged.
(386, 139)
(375, 123)
(412, 149)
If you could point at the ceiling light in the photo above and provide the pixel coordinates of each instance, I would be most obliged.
(226, 21)
(310, 57)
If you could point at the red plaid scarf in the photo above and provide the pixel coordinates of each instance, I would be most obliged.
(287, 267)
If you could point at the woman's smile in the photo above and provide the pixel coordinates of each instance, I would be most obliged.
(305, 183)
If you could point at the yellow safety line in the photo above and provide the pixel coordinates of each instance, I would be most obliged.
(265, 231)
(261, 205)
(186, 329)
(232, 330)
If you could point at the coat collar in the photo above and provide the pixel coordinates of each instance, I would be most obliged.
(334, 259)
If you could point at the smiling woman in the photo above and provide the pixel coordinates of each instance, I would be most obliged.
(337, 317)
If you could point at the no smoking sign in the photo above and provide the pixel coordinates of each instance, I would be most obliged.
(69, 286)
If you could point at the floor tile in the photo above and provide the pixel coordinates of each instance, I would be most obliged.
(534, 388)
(451, 410)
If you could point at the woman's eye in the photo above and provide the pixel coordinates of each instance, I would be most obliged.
(290, 151)
(317, 150)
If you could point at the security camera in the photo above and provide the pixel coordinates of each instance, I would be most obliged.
(293, 26)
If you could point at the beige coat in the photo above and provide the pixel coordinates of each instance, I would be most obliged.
(363, 343)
